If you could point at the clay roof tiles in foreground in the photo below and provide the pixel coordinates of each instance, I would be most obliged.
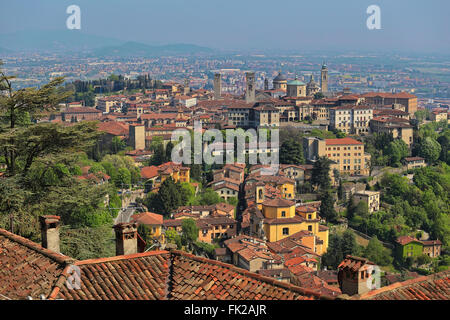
(26, 268)
(175, 275)
(432, 287)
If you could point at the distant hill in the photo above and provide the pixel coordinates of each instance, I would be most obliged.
(77, 41)
(133, 49)
(56, 41)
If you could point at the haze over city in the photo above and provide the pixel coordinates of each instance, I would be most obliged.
(407, 26)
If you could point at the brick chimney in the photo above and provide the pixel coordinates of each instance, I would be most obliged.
(126, 238)
(50, 232)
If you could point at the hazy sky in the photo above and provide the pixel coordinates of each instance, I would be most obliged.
(407, 25)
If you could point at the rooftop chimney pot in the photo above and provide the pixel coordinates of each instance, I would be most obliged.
(50, 232)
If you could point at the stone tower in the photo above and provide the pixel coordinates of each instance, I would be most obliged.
(186, 88)
(137, 137)
(266, 84)
(324, 78)
(250, 87)
(217, 86)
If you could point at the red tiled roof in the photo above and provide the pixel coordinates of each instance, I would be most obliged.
(113, 127)
(148, 218)
(278, 202)
(342, 141)
(432, 287)
(149, 172)
(354, 263)
(26, 268)
(402, 240)
(175, 275)
(142, 276)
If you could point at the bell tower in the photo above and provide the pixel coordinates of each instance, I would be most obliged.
(324, 78)
(217, 86)
(250, 92)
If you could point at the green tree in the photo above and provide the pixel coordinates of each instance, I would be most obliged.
(396, 150)
(88, 243)
(429, 149)
(321, 173)
(38, 157)
(376, 253)
(291, 152)
(168, 198)
(168, 151)
(334, 255)
(327, 210)
(319, 95)
(172, 236)
(189, 232)
(349, 245)
(123, 178)
(209, 197)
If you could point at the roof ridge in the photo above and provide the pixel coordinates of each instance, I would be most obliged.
(253, 275)
(57, 257)
(121, 257)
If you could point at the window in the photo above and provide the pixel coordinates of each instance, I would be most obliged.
(309, 216)
(285, 231)
(283, 213)
(309, 228)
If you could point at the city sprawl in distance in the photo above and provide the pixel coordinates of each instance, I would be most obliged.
(237, 151)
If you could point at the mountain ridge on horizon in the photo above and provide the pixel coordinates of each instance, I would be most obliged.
(77, 41)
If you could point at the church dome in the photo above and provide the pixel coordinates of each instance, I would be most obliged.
(280, 77)
(295, 82)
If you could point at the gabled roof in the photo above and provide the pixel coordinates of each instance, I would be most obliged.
(26, 268)
(403, 240)
(149, 172)
(148, 218)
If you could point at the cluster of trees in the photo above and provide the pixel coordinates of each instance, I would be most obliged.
(320, 180)
(86, 90)
(121, 169)
(341, 245)
(385, 150)
(161, 153)
(423, 205)
(432, 142)
(291, 152)
(41, 163)
(172, 195)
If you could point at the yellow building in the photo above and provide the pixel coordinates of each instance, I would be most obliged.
(349, 155)
(282, 219)
(157, 174)
(153, 221)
